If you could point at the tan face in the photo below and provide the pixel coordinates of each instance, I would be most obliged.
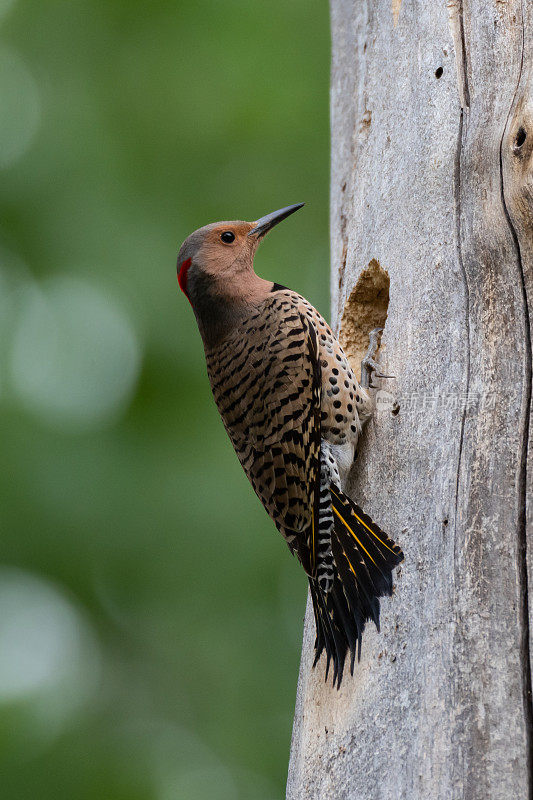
(226, 248)
(216, 261)
(219, 252)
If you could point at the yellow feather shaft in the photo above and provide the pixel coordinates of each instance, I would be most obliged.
(353, 534)
(366, 526)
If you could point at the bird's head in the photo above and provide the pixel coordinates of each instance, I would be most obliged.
(216, 261)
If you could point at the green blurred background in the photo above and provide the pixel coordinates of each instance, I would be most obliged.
(150, 614)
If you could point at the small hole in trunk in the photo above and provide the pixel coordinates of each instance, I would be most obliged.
(520, 138)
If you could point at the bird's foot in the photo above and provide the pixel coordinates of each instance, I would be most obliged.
(369, 366)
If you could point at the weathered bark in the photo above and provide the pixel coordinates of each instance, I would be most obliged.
(432, 165)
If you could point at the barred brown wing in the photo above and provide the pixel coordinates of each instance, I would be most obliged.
(266, 382)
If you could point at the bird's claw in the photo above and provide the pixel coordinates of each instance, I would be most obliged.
(369, 367)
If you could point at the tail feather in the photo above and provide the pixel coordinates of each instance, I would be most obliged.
(328, 635)
(377, 550)
(355, 576)
(334, 633)
(364, 558)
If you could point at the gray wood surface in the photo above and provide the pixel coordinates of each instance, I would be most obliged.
(432, 179)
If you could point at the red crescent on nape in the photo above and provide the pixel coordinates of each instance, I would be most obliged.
(183, 269)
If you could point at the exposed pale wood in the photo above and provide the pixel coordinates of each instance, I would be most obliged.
(428, 179)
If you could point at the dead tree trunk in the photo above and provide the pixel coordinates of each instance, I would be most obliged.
(432, 189)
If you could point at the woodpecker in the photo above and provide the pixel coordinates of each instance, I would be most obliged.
(293, 410)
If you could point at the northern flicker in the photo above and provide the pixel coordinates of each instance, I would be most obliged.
(294, 410)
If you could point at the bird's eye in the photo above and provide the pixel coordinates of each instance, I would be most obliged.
(227, 237)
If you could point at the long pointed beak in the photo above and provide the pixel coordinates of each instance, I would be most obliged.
(264, 224)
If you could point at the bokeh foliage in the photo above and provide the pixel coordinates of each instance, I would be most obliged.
(136, 554)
